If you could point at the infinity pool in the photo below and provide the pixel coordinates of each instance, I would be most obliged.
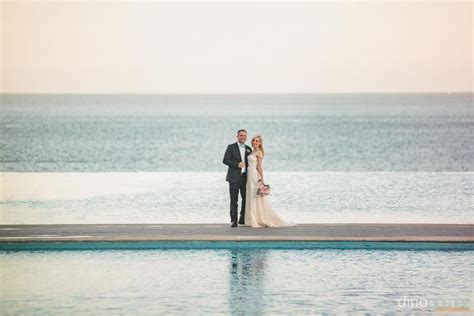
(235, 280)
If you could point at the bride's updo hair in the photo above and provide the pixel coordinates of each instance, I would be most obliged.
(261, 143)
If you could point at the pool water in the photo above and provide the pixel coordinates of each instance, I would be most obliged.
(234, 281)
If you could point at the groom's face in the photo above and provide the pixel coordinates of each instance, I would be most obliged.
(242, 137)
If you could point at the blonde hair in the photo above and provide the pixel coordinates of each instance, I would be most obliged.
(260, 138)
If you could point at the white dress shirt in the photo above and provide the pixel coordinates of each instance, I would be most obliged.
(242, 155)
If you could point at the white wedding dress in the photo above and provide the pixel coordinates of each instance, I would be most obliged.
(258, 210)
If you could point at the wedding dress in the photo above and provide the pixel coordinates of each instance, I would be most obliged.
(258, 210)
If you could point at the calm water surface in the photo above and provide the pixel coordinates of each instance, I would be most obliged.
(236, 281)
(158, 158)
(325, 132)
(150, 158)
(202, 197)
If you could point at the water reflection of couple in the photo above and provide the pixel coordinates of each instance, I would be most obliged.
(245, 174)
(247, 275)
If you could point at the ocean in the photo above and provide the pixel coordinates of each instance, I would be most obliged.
(70, 158)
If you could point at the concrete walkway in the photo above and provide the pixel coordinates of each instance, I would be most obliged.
(222, 232)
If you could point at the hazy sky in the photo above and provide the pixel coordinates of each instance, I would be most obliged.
(157, 47)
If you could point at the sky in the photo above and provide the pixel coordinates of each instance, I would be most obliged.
(236, 47)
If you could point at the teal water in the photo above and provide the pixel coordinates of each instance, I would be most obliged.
(199, 244)
(394, 158)
(331, 158)
(322, 132)
(202, 197)
(234, 281)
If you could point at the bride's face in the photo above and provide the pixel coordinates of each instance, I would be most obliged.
(255, 143)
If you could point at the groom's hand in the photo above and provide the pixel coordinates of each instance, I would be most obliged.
(241, 165)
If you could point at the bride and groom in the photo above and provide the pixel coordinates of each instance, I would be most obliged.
(245, 175)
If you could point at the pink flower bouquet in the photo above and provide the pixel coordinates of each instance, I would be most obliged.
(263, 189)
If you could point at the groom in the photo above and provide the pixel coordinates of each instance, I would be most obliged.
(235, 158)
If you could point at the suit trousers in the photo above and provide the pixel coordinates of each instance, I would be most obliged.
(234, 188)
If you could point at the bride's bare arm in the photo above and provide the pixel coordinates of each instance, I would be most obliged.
(260, 166)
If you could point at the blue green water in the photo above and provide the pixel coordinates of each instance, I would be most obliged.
(158, 158)
(202, 197)
(331, 158)
(232, 280)
(245, 245)
(325, 132)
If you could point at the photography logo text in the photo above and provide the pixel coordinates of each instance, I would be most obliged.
(451, 305)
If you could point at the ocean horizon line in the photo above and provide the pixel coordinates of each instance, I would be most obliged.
(242, 93)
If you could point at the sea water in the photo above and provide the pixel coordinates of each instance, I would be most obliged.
(158, 158)
(202, 197)
(327, 132)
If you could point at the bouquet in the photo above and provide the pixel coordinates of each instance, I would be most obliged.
(264, 189)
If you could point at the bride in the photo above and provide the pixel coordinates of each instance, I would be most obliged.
(258, 210)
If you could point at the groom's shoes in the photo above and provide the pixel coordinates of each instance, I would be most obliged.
(234, 224)
(241, 221)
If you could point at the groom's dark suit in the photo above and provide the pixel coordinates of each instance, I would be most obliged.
(237, 180)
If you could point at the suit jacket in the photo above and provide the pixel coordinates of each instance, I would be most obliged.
(232, 158)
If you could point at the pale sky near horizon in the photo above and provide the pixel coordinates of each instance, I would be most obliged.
(312, 47)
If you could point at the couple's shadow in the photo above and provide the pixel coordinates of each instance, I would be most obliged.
(247, 281)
